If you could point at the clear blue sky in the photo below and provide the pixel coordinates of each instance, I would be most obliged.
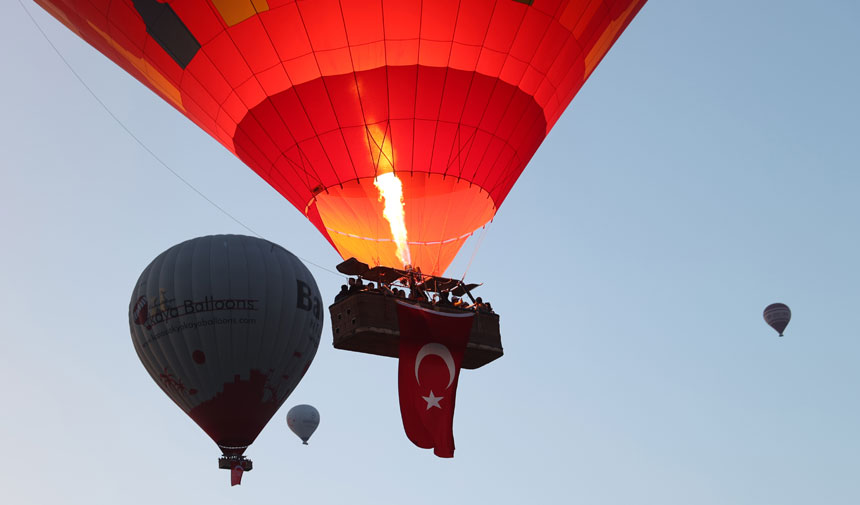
(708, 168)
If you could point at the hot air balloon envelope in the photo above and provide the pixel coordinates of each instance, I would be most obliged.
(303, 421)
(777, 315)
(226, 325)
(397, 127)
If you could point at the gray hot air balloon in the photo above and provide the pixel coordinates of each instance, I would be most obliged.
(777, 315)
(303, 420)
(227, 325)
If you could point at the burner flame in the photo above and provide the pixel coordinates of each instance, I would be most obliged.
(391, 194)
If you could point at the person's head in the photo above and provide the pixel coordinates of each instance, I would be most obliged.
(351, 281)
(479, 300)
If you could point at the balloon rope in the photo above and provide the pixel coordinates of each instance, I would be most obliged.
(478, 246)
(144, 146)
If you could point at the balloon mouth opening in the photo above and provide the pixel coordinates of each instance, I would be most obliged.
(232, 451)
(438, 214)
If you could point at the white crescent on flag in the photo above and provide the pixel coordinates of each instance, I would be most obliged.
(439, 350)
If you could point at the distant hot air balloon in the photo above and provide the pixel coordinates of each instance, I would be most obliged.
(777, 315)
(303, 421)
(227, 326)
(397, 127)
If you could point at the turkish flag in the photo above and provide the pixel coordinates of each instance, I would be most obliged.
(432, 344)
(236, 475)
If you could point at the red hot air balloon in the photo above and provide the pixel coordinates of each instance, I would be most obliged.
(398, 127)
(227, 326)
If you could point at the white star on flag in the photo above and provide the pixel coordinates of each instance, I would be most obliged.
(433, 400)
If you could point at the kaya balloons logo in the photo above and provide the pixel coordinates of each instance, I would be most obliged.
(167, 309)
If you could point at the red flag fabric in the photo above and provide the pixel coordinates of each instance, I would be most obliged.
(236, 475)
(432, 344)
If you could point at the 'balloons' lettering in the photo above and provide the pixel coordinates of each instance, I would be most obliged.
(305, 300)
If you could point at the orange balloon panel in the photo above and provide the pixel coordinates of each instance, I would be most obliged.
(320, 96)
(440, 214)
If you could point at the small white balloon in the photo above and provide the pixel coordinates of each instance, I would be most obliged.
(303, 421)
